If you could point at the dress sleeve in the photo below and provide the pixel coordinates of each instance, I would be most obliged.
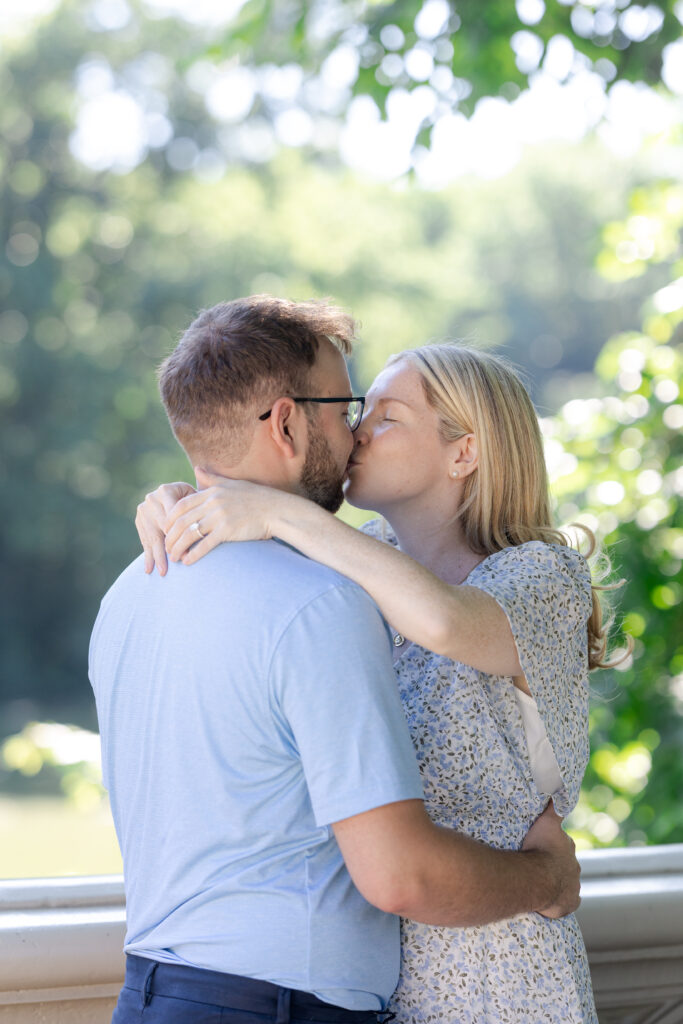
(545, 592)
(379, 529)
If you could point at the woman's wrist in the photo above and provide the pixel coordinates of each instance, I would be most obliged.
(291, 515)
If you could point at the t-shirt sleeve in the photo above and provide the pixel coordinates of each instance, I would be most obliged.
(335, 695)
(545, 592)
(98, 651)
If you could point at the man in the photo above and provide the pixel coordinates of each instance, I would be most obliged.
(253, 741)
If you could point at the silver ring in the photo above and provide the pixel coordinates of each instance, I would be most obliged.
(197, 529)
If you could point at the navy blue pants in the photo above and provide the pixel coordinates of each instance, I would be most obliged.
(155, 993)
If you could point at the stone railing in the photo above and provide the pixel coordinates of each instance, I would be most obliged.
(631, 916)
(61, 959)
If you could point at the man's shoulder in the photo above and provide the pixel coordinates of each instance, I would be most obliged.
(231, 570)
(302, 578)
(134, 574)
(298, 584)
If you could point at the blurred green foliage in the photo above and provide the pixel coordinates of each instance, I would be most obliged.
(619, 467)
(103, 270)
(66, 757)
(485, 49)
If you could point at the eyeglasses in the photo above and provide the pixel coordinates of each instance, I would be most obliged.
(354, 413)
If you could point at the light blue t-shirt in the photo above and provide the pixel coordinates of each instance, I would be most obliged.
(246, 703)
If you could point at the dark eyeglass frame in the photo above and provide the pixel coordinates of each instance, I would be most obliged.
(326, 401)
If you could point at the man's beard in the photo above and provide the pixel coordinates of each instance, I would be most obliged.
(321, 480)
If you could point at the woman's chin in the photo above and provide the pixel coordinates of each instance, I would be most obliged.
(353, 495)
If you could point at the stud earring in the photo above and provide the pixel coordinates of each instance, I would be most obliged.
(454, 473)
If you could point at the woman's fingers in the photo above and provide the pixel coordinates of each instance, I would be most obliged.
(150, 543)
(200, 548)
(227, 510)
(214, 513)
(183, 513)
(190, 528)
(179, 508)
(146, 546)
(159, 556)
(169, 495)
(151, 535)
(149, 521)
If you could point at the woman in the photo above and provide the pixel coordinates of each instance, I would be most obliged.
(494, 626)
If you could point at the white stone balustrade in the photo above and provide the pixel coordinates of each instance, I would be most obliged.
(61, 939)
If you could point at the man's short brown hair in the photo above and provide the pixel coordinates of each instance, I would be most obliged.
(239, 356)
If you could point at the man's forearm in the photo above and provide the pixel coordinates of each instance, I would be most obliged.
(458, 882)
(405, 864)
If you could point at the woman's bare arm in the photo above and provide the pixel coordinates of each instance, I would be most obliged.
(460, 622)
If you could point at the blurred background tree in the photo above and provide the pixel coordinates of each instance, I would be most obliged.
(618, 465)
(156, 158)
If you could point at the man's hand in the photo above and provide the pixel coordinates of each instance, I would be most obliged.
(547, 837)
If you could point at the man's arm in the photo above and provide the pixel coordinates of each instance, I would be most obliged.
(405, 864)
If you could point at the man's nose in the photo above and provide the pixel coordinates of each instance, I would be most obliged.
(360, 435)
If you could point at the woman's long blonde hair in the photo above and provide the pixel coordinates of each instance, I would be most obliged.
(506, 501)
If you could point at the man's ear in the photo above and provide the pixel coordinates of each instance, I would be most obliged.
(287, 427)
(464, 457)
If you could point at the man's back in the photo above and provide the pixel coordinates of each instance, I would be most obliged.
(246, 703)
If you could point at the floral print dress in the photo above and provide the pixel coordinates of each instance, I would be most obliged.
(471, 747)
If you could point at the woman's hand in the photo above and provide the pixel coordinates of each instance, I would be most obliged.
(224, 510)
(150, 522)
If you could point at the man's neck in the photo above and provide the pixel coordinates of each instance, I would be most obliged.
(252, 470)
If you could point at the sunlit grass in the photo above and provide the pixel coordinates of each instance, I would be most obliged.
(49, 836)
